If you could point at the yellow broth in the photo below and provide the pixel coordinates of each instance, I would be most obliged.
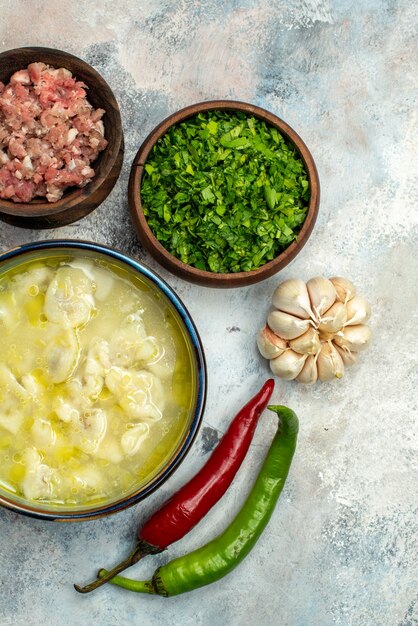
(97, 380)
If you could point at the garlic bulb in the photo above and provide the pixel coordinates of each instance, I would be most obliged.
(344, 288)
(309, 372)
(288, 365)
(292, 297)
(322, 294)
(315, 330)
(330, 364)
(308, 343)
(358, 311)
(270, 344)
(287, 326)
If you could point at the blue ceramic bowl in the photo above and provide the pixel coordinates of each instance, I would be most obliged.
(40, 250)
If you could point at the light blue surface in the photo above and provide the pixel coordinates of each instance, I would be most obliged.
(341, 547)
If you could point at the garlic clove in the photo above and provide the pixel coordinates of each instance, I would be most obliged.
(269, 344)
(334, 319)
(348, 357)
(322, 294)
(287, 326)
(292, 297)
(358, 311)
(344, 288)
(309, 372)
(329, 362)
(288, 365)
(354, 338)
(308, 343)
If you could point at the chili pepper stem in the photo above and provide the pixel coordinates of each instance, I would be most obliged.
(141, 586)
(142, 549)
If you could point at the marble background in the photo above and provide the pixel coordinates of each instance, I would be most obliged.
(341, 547)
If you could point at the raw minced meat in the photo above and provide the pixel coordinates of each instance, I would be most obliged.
(49, 134)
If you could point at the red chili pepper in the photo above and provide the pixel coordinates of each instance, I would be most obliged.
(189, 505)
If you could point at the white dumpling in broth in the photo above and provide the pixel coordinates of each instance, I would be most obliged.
(88, 429)
(104, 283)
(133, 438)
(131, 346)
(34, 281)
(61, 352)
(37, 483)
(162, 369)
(65, 410)
(139, 393)
(15, 401)
(101, 279)
(69, 297)
(96, 366)
(87, 478)
(109, 450)
(32, 385)
(123, 348)
(43, 434)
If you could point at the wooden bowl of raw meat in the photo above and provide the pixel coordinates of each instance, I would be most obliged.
(76, 201)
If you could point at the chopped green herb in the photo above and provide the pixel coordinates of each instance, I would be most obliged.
(225, 192)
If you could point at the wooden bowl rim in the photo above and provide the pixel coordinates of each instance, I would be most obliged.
(39, 208)
(188, 272)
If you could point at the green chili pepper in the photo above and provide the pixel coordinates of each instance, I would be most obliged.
(221, 555)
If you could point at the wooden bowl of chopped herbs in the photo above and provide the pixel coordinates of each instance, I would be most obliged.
(223, 193)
